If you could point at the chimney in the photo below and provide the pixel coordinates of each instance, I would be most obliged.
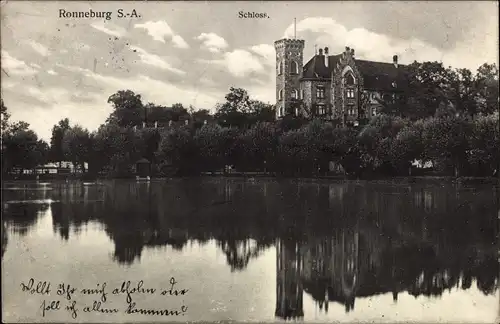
(395, 60)
(320, 51)
(326, 56)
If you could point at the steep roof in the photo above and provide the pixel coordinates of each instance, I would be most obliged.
(316, 68)
(376, 75)
(381, 76)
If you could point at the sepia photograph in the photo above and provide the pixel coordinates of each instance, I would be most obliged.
(250, 161)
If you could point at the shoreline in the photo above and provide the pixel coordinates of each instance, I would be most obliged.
(265, 177)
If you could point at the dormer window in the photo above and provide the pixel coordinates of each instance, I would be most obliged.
(280, 95)
(294, 68)
(295, 94)
(280, 68)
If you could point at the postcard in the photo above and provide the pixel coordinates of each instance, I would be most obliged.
(267, 161)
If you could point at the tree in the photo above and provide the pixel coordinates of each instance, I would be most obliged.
(487, 84)
(23, 149)
(462, 91)
(151, 138)
(177, 149)
(77, 145)
(211, 143)
(128, 108)
(199, 117)
(255, 148)
(408, 146)
(56, 140)
(376, 140)
(116, 149)
(427, 86)
(5, 116)
(179, 113)
(484, 143)
(235, 110)
(445, 141)
(261, 112)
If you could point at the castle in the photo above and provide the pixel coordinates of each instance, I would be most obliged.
(334, 87)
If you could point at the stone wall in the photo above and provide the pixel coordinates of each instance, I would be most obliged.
(326, 99)
(339, 99)
(288, 51)
(306, 88)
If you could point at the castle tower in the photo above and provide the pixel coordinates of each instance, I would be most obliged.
(289, 64)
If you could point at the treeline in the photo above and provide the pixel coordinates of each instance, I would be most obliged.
(449, 118)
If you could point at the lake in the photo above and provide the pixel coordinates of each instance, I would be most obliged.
(255, 250)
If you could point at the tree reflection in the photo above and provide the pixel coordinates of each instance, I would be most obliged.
(339, 268)
(240, 252)
(22, 216)
(5, 238)
(336, 242)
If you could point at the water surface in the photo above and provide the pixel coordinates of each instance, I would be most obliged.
(258, 250)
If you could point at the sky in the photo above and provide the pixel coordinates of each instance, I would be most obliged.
(192, 52)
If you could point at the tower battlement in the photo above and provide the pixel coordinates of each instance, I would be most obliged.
(289, 42)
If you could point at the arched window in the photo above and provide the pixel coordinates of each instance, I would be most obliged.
(280, 68)
(349, 79)
(295, 94)
(294, 68)
(280, 95)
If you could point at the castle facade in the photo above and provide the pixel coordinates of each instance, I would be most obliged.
(335, 87)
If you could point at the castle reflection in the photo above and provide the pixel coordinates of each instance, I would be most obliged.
(334, 242)
(351, 263)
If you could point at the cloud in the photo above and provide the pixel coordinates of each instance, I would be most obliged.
(117, 32)
(16, 67)
(212, 42)
(80, 46)
(266, 51)
(37, 47)
(378, 47)
(151, 89)
(179, 42)
(51, 72)
(160, 30)
(42, 118)
(241, 63)
(50, 96)
(155, 60)
(367, 44)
